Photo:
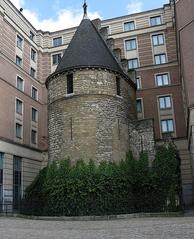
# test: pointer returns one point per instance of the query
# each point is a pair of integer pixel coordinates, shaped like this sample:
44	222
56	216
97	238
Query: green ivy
108	188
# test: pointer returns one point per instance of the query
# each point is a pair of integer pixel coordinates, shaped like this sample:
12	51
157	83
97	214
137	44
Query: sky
53	15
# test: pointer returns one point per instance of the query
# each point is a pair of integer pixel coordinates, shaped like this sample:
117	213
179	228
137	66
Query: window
138	82
34	115
129	26
33	54
18	61
162	80
130	45
158	40
34	93
154	21
118	84
19	42
167	125
108	29
165	102
1	178
69	83
56	59
20	83
139	105
31	35
57	41
133	63
32	72
19	106
160	59
18	131
17	181
34	137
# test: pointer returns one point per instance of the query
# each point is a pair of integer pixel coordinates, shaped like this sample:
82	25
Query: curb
101	218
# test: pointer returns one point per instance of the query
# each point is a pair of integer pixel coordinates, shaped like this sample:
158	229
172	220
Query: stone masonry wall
141	134
93	122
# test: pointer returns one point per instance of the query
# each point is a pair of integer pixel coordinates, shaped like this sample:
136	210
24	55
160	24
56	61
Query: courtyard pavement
138	228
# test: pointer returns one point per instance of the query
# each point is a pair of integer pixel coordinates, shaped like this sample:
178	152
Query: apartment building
28	56
23	104
185	37
148	41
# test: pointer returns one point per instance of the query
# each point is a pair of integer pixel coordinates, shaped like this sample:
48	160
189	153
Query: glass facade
17	177
1	179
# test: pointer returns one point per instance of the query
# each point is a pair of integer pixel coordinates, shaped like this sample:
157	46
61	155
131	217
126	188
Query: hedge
108	188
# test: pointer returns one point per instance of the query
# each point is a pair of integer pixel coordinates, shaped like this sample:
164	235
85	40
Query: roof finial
85	10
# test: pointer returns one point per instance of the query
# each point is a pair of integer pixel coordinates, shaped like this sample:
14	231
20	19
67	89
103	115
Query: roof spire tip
85	6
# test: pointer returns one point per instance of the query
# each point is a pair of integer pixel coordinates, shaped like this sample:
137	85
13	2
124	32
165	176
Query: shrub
108	188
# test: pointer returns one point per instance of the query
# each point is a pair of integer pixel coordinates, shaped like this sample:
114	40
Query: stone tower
91	101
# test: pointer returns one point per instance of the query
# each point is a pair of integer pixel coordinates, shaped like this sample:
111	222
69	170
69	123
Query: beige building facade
28	56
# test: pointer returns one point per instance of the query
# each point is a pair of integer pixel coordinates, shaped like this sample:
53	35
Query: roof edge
54	74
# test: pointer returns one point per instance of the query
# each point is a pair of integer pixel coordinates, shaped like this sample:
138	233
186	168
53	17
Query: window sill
119	96
69	95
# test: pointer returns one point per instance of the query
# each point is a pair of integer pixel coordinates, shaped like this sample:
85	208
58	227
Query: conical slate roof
88	49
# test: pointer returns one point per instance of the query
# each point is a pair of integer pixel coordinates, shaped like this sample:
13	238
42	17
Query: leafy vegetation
108	188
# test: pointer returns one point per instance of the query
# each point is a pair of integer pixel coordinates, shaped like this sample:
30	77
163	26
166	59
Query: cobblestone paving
142	228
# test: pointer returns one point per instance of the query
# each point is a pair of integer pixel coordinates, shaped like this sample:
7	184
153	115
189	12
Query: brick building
147	40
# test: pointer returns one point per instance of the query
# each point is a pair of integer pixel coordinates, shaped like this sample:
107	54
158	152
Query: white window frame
57	37
161	74
164	105
167	126
129	22
160	59
21	62
20	46
157	16
36	143
35	58
128	40
157	35
17	76
36	91
139	85
36	115
59	53
31	35
17	99
133	64
142	110
19	123
33	71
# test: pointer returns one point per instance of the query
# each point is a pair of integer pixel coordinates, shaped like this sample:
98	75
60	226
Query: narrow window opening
69	83
71	126
118	83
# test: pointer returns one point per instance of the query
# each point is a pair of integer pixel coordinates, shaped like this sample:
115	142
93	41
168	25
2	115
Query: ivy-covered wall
109	188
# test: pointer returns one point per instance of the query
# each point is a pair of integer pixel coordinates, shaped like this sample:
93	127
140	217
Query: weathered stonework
93	122
141	134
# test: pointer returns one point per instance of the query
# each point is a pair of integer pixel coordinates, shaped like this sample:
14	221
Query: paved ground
142	228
